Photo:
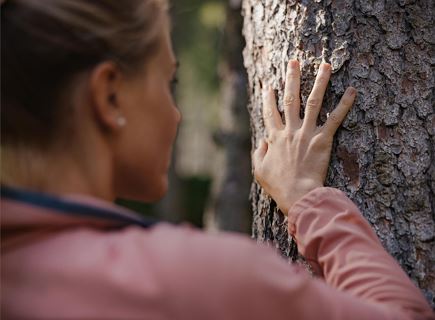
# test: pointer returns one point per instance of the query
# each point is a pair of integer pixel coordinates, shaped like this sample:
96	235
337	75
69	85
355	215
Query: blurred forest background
210	174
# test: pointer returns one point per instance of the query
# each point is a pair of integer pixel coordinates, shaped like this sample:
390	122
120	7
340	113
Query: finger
315	99
292	94
339	114
271	116
259	154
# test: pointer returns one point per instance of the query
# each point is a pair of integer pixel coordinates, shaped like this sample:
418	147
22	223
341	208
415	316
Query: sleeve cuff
311	199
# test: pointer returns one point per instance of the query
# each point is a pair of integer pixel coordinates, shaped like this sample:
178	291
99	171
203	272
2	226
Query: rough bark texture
229	208
383	156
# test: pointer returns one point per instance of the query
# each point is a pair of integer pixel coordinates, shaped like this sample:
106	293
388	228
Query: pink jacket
55	265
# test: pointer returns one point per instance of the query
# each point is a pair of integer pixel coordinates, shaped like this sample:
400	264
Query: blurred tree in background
229	207
200	161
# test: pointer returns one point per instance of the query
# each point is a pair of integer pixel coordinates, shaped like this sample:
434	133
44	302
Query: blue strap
63	206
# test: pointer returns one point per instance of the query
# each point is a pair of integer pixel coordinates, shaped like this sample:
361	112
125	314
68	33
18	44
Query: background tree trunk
229	207
383	156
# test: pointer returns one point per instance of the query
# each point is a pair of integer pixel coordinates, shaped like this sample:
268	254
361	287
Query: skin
143	151
294	158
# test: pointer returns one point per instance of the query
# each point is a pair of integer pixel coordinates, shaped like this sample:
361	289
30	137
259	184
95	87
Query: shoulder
181	272
182	256
220	274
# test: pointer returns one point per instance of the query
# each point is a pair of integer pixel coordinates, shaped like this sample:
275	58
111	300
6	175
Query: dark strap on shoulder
63	206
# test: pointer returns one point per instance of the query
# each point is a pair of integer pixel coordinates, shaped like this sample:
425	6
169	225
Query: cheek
150	154
147	143
163	118
142	173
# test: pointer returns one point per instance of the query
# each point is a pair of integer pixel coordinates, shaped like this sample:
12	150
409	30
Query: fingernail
351	91
293	63
325	66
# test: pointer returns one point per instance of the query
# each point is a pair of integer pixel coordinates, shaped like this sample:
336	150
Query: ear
105	85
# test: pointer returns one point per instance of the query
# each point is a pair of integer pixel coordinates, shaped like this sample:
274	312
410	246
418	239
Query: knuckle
267	114
320	142
288	101
313	103
272	135
288	104
334	119
289	140
303	138
289	134
326	138
322	79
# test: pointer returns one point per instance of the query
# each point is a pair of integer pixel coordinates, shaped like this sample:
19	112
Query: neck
59	171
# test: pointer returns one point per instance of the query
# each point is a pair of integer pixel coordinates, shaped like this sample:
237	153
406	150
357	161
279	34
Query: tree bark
383	155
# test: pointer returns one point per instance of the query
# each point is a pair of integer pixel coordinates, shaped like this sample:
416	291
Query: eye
173	84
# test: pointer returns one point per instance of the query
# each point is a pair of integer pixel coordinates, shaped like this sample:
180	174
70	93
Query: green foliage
197	35
195	194
146	209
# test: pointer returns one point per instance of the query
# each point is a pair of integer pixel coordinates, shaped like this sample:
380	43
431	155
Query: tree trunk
383	156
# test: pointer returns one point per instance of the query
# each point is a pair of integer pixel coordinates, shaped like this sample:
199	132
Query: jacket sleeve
339	243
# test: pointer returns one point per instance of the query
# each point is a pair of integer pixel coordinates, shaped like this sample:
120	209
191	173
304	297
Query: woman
87	116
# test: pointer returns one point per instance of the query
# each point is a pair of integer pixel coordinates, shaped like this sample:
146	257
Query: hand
294	158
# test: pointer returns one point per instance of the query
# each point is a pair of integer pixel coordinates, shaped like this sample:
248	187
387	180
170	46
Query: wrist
297	193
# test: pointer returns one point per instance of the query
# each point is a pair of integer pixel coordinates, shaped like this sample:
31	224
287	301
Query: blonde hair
45	43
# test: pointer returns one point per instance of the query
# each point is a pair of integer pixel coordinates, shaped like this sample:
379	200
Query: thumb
259	153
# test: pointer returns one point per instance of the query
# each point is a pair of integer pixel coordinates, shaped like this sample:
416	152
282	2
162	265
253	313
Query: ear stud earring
121	121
